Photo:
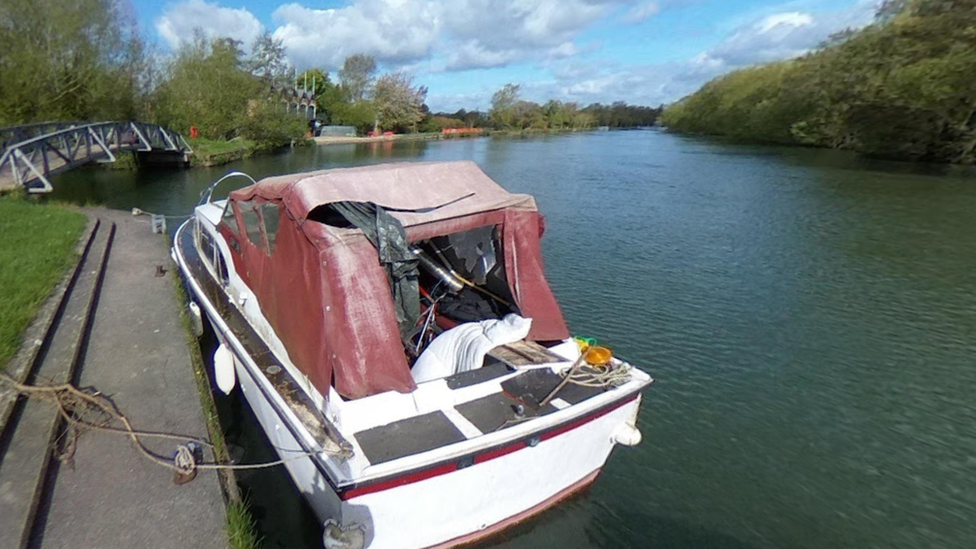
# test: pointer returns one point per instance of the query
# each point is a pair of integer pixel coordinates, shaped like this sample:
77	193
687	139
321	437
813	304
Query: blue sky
640	51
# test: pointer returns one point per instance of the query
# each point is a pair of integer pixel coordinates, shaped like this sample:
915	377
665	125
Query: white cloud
460	34
519	23
495	33
787	34
643	85
641	12
468	34
786	21
777	36
480	100
473	55
393	31
179	21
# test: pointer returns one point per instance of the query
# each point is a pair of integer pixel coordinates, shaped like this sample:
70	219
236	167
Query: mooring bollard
158	224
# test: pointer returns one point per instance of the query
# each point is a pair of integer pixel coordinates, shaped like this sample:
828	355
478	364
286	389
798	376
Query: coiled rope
90	410
611	375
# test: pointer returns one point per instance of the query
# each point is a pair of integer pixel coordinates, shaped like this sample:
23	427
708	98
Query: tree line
901	88
509	112
85	60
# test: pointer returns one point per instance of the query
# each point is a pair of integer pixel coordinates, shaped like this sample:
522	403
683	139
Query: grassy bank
242	532
37	244
214	152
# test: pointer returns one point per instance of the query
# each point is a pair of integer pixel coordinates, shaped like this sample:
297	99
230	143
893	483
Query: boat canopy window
204	243
252	223
270	212
210	252
228	218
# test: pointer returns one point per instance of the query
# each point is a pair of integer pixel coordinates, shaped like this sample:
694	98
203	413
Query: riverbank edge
436	136
203	155
732	140
202	158
240	525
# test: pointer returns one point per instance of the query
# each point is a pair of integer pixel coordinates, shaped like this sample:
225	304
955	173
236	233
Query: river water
810	318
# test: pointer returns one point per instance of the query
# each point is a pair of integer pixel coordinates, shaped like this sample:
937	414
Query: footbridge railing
33	153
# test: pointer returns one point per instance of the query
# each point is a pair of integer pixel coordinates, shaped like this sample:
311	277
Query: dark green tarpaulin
389	238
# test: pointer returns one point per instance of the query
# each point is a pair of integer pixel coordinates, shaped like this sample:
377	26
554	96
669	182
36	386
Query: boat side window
220	267
252	223
205	244
269	214
228	218
211	254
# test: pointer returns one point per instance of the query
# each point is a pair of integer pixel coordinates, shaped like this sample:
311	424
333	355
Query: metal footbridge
33	153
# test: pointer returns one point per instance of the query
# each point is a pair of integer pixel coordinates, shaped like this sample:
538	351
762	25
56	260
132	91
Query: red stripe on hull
521	517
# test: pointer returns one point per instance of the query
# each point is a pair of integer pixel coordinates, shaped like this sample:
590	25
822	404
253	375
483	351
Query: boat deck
517	402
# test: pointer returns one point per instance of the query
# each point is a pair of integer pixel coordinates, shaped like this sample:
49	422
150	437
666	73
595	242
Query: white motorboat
393	330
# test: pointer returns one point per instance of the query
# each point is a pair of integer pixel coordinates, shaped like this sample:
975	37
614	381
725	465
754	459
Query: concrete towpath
136	354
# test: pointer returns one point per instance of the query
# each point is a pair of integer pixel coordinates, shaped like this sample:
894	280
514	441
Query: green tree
528	115
437	123
268	61
316	79
360	114
357	75
78	60
207	87
503	101
268	126
398	103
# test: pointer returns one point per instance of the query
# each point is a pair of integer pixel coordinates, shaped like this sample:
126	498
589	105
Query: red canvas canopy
324	291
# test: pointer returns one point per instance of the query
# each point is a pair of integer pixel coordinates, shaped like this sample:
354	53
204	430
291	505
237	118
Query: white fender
627	432
196	319
224	373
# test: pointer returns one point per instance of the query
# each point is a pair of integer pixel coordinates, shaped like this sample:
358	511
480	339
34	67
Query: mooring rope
90	410
139	211
611	375
84	410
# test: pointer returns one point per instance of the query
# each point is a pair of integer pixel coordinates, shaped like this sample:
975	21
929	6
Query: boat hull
460	506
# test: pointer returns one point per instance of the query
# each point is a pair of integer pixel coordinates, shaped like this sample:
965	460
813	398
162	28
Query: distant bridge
33	153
